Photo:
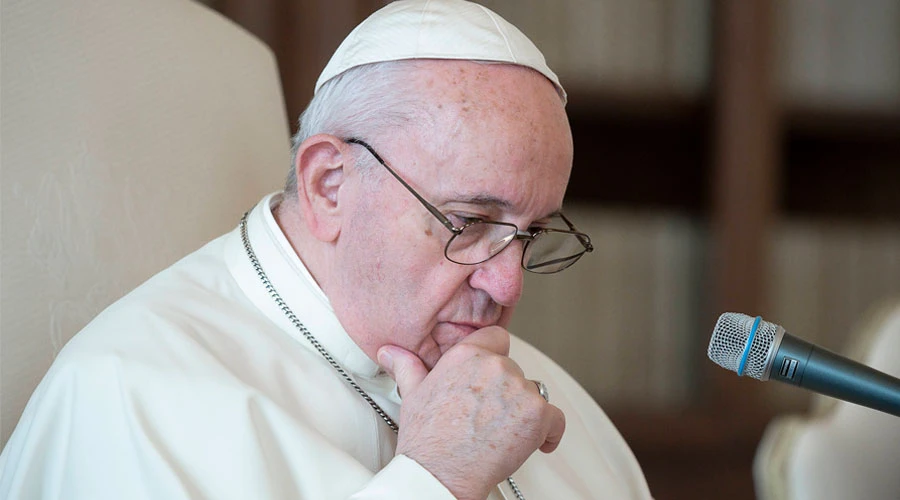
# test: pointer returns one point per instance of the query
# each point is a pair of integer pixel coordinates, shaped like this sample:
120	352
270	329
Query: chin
431	358
442	339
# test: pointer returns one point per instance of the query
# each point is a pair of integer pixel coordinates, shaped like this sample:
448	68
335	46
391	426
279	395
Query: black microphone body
762	350
803	364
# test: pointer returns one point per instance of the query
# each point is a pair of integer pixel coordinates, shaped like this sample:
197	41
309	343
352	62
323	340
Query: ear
320	177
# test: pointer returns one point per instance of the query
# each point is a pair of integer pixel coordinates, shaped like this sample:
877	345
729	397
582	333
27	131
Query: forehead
497	134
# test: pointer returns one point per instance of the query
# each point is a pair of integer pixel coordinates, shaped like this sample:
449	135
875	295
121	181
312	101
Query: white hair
364	102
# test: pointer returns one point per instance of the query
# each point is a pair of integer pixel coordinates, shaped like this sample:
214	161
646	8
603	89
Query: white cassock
196	385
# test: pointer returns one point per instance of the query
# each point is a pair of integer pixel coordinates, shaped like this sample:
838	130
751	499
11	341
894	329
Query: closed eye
460	220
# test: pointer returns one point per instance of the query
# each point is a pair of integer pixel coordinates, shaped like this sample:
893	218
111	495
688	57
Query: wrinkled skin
498	147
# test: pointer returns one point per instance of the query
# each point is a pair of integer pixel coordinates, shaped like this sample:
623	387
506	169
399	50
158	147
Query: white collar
296	286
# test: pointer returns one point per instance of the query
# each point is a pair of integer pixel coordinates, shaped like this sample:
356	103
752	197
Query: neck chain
321	349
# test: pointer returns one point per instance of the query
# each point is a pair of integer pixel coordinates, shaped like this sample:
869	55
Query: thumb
405	367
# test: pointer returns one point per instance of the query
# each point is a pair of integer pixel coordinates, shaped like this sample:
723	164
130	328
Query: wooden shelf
634	106
627	155
842	165
654	154
844	125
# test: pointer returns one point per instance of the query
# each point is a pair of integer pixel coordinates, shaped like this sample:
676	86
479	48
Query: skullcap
436	29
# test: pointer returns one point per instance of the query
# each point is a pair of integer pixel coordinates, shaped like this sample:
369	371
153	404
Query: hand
474	419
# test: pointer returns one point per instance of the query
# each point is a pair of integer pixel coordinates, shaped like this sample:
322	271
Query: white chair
133	132
839	451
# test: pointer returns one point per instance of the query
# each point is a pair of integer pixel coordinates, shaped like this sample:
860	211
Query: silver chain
321	349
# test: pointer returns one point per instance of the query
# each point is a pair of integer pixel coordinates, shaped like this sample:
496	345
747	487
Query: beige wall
133	132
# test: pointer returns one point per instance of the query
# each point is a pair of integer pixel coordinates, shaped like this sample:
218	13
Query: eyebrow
496	202
482	199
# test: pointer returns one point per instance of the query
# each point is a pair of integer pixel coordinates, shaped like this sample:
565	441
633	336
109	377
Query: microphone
764	351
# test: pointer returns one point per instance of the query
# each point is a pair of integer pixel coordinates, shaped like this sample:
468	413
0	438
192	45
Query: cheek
391	270
395	282
506	316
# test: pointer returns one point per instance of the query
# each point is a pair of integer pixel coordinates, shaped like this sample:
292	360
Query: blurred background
729	156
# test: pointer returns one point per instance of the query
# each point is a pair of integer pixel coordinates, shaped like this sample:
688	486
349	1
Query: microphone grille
729	342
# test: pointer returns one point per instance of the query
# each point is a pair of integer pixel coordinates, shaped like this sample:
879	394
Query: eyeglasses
546	250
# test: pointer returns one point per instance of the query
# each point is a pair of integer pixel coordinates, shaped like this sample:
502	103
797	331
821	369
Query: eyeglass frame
528	236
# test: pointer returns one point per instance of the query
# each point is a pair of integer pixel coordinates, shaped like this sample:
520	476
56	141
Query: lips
471	326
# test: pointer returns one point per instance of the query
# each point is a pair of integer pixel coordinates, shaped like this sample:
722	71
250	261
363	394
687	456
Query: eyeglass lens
552	251
549	252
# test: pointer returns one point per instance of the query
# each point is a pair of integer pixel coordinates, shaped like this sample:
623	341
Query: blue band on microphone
746	354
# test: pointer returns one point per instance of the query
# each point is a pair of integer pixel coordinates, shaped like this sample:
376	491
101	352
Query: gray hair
367	102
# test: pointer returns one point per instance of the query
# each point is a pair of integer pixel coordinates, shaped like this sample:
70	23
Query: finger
406	368
556	428
492	338
540	389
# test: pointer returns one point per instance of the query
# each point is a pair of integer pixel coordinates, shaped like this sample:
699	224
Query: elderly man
429	170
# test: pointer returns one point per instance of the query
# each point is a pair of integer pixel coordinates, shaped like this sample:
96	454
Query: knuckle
500	335
463	351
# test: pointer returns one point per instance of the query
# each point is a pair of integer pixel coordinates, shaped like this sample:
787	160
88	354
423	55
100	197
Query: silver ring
542	390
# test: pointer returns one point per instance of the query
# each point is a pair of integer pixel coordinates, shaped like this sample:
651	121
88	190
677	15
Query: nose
502	276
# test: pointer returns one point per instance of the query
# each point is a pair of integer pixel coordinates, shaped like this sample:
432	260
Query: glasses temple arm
434	211
582	237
